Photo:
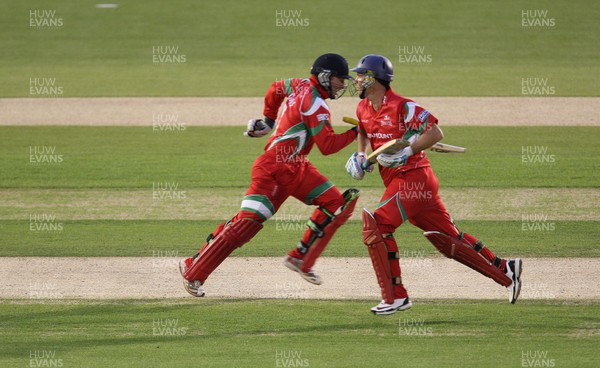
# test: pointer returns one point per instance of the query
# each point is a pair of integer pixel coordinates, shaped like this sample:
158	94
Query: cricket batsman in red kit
411	189
283	170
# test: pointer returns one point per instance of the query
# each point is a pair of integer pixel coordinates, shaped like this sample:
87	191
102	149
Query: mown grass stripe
142	238
137	157
514	204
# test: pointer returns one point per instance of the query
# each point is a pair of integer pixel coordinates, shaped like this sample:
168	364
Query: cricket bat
392	146
395	145
447	148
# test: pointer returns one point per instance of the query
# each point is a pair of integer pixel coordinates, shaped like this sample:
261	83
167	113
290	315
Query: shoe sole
294	268
185	282
290	265
190	291
517	290
392	311
309	279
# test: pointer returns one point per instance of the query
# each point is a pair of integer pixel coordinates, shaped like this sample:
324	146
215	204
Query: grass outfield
220	157
96	163
266	333
228	48
183	238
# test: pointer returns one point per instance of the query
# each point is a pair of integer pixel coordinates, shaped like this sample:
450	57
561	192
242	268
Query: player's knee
344	212
384	226
333	206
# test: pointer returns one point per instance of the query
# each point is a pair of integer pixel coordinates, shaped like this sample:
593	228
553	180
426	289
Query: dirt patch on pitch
176	112
54	278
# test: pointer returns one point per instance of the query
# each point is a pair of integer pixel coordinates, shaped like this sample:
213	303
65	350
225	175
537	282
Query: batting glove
257	128
355	163
395	159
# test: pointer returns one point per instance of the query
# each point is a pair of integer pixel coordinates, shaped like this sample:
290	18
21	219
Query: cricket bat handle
349	120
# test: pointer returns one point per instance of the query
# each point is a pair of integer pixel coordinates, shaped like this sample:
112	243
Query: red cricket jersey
304	121
398	117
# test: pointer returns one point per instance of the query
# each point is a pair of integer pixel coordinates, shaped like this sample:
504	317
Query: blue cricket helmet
378	66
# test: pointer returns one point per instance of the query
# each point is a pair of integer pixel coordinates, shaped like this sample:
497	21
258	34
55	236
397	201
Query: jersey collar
386	98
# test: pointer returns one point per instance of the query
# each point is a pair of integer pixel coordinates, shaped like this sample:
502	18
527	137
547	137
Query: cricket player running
283	170
411	189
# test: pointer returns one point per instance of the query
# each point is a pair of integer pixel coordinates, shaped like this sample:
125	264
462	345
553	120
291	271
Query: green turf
528	204
256	333
182	238
137	157
237	49
104	160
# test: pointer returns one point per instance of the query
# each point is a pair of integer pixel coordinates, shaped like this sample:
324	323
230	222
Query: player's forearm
330	143
273	100
363	142
428	139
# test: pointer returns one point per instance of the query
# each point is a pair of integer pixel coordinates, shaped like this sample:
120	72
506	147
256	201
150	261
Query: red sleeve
317	119
275	96
416	118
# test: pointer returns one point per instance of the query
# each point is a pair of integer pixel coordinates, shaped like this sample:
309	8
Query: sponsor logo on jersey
291	100
387	121
323	117
423	115
379	135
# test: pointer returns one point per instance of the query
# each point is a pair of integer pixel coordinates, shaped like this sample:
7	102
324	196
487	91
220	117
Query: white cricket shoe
514	267
294	265
194	288
384	308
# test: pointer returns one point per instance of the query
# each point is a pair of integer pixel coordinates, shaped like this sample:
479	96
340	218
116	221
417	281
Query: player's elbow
437	133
